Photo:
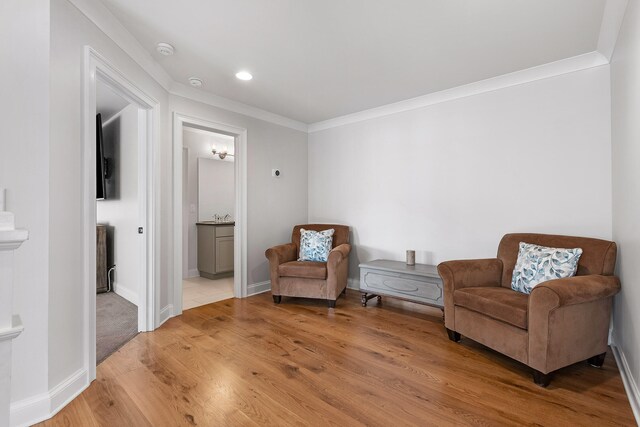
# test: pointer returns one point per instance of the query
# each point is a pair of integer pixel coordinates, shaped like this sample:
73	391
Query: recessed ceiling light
244	75
165	49
195	82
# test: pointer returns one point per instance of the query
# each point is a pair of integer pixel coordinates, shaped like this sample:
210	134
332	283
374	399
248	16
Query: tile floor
197	291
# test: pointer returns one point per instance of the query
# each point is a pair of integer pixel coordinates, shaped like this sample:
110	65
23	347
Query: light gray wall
70	32
275	205
450	179
24	171
120	209
625	131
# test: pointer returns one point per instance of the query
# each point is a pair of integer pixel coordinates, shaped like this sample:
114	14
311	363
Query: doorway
143	117
209	216
235	240
118	258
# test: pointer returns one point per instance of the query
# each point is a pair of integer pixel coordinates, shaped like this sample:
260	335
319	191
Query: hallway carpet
116	323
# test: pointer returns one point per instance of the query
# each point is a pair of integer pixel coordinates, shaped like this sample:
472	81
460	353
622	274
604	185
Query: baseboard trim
126	293
194	272
30	411
629	382
165	314
41	407
68	390
258	288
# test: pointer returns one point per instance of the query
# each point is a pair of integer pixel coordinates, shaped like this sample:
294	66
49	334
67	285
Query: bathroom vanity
215	249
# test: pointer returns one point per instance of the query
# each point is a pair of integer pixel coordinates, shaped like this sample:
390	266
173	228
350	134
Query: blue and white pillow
537	264
315	245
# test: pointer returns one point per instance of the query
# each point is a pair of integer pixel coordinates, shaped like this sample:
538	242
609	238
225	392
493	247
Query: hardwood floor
250	362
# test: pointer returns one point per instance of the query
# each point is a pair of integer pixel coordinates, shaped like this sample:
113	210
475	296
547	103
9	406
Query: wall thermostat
275	172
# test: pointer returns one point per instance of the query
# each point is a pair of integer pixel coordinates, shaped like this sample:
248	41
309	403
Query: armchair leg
277	299
541	379
597	361
331	303
453	335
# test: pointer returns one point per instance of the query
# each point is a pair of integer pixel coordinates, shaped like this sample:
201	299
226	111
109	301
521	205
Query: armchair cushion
537	264
496	302
303	269
315	245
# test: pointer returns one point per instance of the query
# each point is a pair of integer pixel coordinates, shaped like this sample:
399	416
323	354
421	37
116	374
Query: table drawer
412	287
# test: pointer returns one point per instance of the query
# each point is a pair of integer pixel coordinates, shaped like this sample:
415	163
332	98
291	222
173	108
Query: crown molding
611	22
552	69
102	17
209	98
612	17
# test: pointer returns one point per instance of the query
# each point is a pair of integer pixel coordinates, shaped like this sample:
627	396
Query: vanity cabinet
215	249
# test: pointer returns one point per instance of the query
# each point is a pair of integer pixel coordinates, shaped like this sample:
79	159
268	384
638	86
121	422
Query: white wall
70	32
24	171
44	84
275	205
198	144
450	179
120	209
625	130
216	189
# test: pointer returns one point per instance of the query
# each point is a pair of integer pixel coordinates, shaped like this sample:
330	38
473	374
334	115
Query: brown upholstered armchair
323	280
561	322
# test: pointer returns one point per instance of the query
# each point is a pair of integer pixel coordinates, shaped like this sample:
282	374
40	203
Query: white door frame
240	234
97	68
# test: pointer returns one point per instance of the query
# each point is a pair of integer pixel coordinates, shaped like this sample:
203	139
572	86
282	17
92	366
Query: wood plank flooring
251	362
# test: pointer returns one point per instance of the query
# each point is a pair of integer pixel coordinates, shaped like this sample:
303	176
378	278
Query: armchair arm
573	290
569	320
338	255
337	270
465	273
471	272
279	255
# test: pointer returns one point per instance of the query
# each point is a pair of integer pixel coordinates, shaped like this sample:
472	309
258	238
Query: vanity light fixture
244	75
220	153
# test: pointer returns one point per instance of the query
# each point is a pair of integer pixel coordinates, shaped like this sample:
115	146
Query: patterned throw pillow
537	264
315	245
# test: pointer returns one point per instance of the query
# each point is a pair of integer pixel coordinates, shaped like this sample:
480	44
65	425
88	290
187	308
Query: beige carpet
116	323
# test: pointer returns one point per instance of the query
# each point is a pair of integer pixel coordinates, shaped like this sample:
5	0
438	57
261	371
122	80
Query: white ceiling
316	60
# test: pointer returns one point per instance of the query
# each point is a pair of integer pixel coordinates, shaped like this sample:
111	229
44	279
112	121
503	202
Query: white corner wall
120	210
274	205
24	171
67	368
448	180
625	131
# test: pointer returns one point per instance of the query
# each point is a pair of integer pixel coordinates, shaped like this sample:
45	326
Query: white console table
10	324
417	283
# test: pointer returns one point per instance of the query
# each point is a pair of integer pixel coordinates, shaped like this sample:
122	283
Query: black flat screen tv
101	186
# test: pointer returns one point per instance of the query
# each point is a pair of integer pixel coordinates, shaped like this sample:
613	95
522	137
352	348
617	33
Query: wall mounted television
101	166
